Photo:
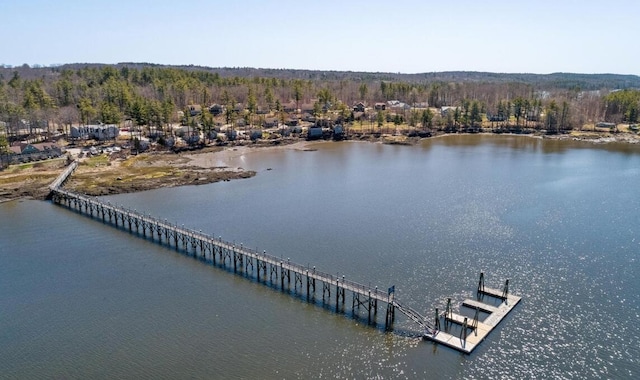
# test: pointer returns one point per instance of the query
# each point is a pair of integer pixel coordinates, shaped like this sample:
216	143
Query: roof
19	148
307	107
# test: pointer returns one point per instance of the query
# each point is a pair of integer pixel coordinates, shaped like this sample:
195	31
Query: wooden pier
472	331
280	273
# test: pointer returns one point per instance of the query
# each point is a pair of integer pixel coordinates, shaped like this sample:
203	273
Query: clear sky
408	36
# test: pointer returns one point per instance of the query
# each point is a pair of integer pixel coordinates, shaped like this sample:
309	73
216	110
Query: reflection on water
557	218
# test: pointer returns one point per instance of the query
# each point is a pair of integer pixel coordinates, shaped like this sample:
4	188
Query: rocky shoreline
167	169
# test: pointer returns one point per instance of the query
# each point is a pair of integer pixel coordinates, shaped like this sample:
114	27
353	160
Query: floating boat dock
472	331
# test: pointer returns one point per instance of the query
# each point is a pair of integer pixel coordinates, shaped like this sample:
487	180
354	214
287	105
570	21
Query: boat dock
281	273
472	331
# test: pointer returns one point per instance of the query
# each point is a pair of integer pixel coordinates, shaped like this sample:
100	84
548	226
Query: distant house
270	122
194	109
216	109
22	152
97	132
380	106
289	107
444	111
308	118
292	122
307	108
23	148
359	107
533	115
314	133
324	123
497	117
399	106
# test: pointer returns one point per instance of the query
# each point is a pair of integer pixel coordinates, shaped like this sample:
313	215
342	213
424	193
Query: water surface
559	219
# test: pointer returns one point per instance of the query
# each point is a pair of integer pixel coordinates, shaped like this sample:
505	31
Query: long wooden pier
242	259
266	268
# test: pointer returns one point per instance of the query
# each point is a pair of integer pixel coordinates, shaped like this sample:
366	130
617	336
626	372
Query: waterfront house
216	109
23	152
309	118
96	132
289	107
194	109
444	111
270	122
238	108
307	108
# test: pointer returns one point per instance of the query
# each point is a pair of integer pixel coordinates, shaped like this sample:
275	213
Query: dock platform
472	330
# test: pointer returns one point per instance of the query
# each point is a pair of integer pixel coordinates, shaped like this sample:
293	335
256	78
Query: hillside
538	81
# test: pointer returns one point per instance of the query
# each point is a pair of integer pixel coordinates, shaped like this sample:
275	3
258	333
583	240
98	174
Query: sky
406	36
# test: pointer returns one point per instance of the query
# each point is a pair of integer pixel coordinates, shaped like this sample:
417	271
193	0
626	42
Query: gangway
416	317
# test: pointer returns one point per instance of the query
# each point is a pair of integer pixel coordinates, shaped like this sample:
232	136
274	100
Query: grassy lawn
96	161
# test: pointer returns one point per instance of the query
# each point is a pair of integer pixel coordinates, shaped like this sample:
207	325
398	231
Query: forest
55	98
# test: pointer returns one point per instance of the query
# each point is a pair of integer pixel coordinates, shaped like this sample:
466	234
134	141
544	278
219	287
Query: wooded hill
539	81
151	94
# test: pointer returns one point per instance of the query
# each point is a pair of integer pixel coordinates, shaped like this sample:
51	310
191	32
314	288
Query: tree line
56	98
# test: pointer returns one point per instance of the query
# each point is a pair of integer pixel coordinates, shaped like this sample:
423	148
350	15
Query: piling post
448	312
463	333
353	304
505	291
474	323
175	237
337	292
390	317
281	277
375	304
388	323
369	306
233	249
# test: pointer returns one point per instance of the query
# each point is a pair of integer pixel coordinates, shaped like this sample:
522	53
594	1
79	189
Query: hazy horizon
406	36
52	65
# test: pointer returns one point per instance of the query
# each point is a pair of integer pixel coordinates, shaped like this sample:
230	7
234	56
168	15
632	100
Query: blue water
559	219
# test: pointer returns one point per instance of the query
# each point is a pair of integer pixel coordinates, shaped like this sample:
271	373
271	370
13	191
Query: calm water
79	299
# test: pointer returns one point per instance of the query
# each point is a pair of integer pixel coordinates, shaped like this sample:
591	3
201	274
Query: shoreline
156	170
